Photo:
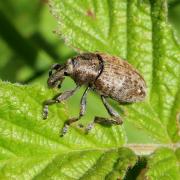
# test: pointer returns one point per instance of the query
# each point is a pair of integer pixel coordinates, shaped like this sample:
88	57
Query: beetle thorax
84	71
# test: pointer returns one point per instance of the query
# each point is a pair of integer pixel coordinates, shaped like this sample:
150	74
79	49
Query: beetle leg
81	113
105	121
57	99
114	114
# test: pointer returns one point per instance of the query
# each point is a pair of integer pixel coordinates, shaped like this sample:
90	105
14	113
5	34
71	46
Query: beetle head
57	73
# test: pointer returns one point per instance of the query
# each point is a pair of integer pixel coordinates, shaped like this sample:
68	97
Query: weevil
109	76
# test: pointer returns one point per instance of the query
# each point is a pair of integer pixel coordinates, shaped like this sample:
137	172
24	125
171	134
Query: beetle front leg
116	119
81	113
57	99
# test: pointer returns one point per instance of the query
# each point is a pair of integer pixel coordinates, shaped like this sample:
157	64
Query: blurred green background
28	47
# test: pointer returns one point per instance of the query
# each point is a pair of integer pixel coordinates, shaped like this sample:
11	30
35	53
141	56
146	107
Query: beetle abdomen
120	81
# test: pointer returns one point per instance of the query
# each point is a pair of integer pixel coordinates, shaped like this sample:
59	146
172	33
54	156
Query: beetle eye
66	74
54	68
51	71
74	62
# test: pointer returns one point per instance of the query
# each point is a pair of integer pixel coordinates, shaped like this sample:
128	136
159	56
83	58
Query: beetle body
108	75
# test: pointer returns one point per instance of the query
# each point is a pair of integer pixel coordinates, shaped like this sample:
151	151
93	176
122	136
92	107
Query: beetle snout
55	82
51	83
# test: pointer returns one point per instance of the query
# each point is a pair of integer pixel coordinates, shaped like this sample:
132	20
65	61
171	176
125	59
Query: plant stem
146	149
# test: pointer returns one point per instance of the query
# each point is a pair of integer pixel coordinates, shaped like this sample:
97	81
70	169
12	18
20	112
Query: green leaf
93	25
140	32
125	161
31	147
164	164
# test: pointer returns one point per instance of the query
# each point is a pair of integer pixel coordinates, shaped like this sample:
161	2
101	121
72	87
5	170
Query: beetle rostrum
109	76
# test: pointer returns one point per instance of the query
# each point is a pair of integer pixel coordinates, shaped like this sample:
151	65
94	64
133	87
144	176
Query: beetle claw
89	127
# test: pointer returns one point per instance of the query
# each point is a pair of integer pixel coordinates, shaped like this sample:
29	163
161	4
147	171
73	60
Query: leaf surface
31	148
164	164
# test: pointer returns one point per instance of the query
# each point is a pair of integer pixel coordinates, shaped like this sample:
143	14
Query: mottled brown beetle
108	75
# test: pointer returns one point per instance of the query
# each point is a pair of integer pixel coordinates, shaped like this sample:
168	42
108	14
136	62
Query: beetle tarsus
45	107
103	121
118	120
89	127
45	112
108	122
64	130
